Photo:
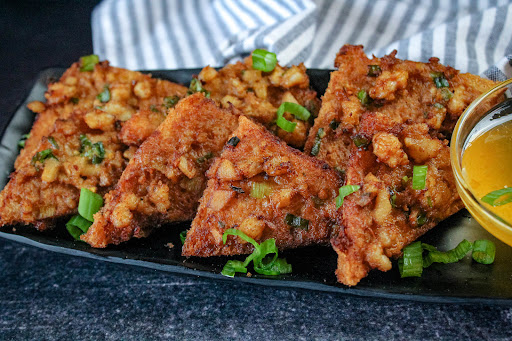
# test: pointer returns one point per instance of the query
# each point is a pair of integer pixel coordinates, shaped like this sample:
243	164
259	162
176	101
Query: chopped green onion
89	203
262	264
296	110
93	151
259	190
21	142
334	124
197	86
232	267
237	189
233	141
74	100
170	101
263	60
318	140
421	219
42	156
450	256
438	106
104	96
411	263
53	142
447	94
360	141
493	197
344	191
88	62
484	251
183	236
205	157
374	71
439	79
153	108
419	177
78	222
363	97
296	221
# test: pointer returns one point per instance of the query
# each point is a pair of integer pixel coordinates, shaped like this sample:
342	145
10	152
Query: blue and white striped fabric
470	35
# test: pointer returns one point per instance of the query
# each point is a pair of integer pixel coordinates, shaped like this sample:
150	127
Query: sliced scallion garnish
259	190
261	257
263	60
170	101
87	62
93	151
439	79
419	177
296	110
197	86
21	142
451	256
318	140
183	236
344	191
364	98
233	141
52	141
483	251
204	158
296	221
374	70
42	156
411	263
77	226
89	203
493	198
104	96
360	141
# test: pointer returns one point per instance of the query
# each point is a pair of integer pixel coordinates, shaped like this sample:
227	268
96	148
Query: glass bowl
480	116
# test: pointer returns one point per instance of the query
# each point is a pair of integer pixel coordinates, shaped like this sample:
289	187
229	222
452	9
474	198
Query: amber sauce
487	165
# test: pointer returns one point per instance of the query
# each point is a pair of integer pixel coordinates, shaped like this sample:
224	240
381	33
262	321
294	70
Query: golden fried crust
259	94
40	191
298	185
76	90
165	179
401	90
386	214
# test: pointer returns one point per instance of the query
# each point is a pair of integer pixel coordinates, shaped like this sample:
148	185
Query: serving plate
313	267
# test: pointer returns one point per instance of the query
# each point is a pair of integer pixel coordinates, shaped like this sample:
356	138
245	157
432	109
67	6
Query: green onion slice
52	141
439	79
170	101
205	157
89	204
451	256
74	100
259	190
263	60
104	96
411	264
93	151
183	236
263	263
77	226
344	191
360	141
21	142
484	251
318	140
374	70
296	110
296	221
419	177
364	97
493	197
196	86
42	156
88	62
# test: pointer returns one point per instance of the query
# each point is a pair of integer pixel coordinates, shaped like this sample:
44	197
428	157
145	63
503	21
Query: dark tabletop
45	295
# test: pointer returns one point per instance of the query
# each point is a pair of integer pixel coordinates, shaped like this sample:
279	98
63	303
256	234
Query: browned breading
165	179
297	184
259	94
402	90
47	188
386	214
76	90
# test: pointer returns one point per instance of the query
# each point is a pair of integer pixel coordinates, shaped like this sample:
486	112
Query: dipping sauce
487	166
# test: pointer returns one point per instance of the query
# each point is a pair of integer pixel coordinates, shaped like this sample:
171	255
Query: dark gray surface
47	295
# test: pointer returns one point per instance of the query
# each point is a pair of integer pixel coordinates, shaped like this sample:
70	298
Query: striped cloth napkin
470	35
